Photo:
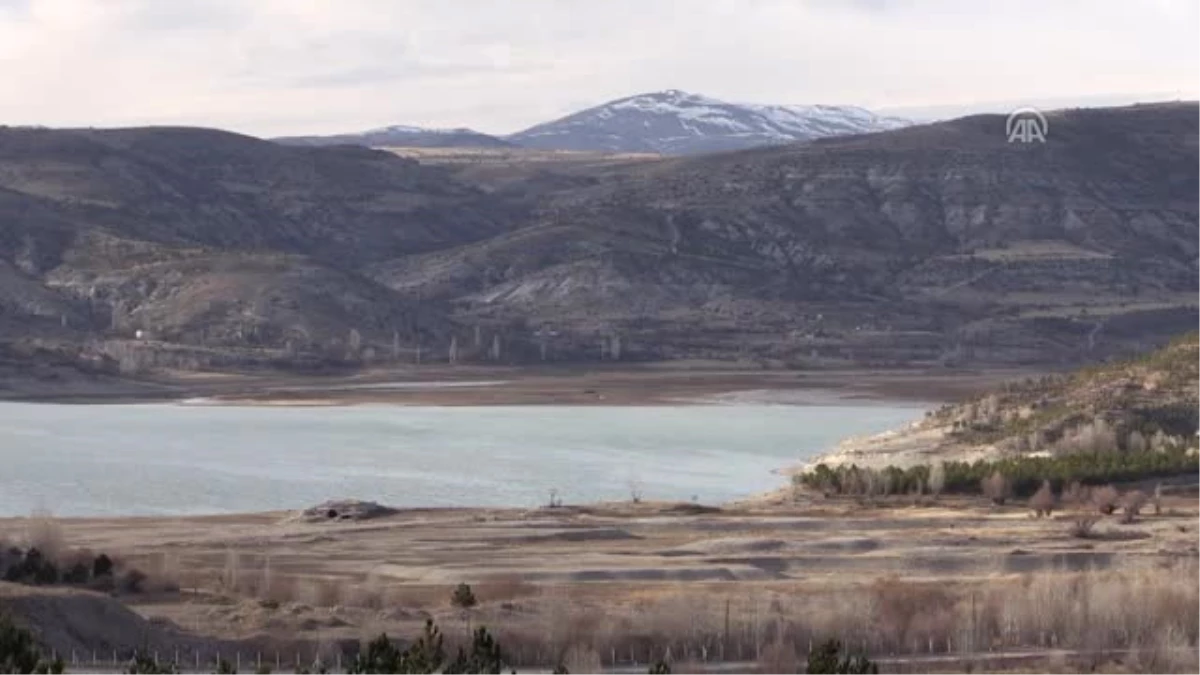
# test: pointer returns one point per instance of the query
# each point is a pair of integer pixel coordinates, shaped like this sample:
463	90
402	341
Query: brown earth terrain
54	379
613	386
611	585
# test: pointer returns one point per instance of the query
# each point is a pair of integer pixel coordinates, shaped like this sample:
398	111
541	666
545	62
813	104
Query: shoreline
611	388
479	386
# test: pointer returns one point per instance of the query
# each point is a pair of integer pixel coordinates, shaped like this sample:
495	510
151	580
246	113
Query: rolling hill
934	244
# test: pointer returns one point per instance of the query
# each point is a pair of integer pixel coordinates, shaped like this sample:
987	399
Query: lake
163	459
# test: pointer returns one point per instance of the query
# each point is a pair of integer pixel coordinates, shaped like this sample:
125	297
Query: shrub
660	668
1082	524
427	655
1024	473
20	654
826	657
143	662
1105	499
76	574
381	656
463	597
34	568
1042	501
132	581
102	566
485	656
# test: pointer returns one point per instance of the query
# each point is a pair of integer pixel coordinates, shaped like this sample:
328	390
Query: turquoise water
77	460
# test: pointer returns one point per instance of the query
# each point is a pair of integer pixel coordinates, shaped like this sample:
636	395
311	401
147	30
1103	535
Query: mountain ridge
668	122
403	136
675	122
938	244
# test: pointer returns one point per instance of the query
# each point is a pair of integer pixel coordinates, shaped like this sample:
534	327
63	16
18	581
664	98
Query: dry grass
904	601
44	533
318	591
505	588
582	659
779	657
1150	609
1132	505
1083	525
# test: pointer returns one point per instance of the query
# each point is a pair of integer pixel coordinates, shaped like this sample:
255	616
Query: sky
278	67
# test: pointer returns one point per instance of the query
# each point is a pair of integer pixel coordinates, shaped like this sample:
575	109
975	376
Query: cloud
273	67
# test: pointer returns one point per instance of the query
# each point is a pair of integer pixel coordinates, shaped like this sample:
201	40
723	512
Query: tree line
1024	474
21	655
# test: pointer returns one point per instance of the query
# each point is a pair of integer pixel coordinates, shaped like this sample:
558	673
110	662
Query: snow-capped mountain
400	135
676	122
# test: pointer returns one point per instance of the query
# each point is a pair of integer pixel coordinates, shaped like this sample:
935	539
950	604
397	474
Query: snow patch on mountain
408	129
678	122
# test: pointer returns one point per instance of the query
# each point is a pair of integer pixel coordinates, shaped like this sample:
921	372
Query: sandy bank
649	386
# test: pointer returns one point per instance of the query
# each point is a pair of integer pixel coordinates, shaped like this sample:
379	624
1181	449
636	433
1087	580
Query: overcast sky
271	67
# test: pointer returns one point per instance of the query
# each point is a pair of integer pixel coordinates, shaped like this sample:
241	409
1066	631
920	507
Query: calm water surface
177	459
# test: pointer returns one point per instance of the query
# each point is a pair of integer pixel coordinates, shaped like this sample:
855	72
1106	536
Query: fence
201	661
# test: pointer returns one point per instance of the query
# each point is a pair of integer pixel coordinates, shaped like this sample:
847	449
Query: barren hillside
937	244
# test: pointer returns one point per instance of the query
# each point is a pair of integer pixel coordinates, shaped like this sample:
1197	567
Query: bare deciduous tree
1132	505
996	488
1076	494
1042	501
937	478
1105	499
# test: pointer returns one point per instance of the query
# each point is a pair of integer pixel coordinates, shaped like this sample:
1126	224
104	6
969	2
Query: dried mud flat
611	576
663	384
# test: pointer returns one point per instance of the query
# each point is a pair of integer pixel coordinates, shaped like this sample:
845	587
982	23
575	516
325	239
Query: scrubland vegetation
1136	614
1024	475
1117	423
43	559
